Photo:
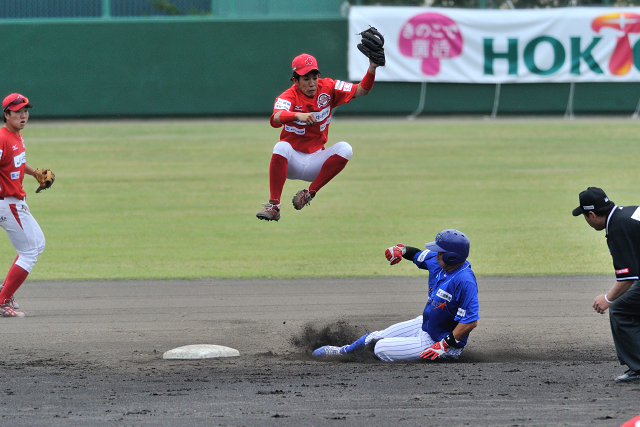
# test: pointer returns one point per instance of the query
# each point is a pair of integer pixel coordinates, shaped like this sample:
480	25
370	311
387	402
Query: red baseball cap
304	63
15	101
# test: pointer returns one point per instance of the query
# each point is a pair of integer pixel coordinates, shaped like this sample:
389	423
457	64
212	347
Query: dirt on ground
90	353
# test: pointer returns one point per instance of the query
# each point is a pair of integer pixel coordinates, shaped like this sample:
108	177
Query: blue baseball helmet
453	243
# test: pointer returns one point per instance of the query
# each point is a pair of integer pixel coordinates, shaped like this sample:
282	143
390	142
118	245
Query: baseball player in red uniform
23	230
304	111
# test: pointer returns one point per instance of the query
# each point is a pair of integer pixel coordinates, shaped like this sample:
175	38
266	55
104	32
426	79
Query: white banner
500	46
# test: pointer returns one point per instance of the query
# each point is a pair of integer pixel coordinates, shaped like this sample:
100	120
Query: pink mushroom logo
431	37
627	23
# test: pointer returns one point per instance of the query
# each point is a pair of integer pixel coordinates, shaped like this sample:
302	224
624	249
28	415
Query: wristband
451	341
287	117
607	299
367	82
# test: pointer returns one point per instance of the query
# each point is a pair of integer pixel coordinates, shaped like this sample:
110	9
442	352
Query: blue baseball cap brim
433	247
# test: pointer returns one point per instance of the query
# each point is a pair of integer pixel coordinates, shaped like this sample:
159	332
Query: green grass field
152	199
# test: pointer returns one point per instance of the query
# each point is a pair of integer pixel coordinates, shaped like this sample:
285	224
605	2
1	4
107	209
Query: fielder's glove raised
372	46
394	253
44	177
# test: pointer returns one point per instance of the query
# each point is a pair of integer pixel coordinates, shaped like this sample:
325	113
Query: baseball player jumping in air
451	313
23	230
304	110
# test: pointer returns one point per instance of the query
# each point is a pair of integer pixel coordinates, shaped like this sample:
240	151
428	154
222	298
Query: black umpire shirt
623	239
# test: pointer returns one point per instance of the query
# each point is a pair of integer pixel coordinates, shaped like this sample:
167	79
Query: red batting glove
394	253
436	350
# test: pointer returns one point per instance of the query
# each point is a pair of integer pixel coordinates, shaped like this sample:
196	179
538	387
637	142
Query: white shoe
12	301
329	352
7	311
628	376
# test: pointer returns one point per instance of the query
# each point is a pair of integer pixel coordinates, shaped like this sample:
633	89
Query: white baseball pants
306	166
405	341
23	231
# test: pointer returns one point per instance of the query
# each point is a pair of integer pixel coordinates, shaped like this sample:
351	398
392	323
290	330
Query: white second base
200	351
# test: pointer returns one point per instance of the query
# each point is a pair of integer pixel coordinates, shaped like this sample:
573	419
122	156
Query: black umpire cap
591	199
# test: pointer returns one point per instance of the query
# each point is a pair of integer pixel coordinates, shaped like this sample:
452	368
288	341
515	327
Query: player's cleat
329	352
12	301
270	211
7	311
628	376
302	199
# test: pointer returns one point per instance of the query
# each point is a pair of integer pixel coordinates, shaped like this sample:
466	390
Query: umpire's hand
600	304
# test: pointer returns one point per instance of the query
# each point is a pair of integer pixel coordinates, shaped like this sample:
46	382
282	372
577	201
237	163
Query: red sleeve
3	151
283	103
343	91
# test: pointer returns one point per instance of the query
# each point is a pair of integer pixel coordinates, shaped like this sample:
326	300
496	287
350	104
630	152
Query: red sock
14	261
15	278
332	167
277	176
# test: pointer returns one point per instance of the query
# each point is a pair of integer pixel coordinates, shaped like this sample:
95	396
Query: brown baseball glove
44	177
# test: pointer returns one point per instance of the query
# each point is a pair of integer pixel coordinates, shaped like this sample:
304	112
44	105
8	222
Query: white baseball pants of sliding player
23	231
306	166
405	341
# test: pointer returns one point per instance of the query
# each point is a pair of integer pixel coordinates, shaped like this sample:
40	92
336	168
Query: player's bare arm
600	303
463	329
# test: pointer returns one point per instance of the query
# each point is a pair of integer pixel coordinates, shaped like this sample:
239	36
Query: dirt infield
90	353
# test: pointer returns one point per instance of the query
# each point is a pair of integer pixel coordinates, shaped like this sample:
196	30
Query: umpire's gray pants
624	315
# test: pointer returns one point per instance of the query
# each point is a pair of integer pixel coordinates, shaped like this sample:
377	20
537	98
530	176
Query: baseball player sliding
304	111
15	218
451	313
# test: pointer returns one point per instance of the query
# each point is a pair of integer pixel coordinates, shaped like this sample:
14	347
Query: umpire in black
622	225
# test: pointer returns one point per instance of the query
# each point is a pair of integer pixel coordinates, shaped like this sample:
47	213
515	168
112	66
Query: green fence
107	9
206	67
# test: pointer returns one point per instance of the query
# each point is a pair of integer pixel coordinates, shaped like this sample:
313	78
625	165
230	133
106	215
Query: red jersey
330	94
12	164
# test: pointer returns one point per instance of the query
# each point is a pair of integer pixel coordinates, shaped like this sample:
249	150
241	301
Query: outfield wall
209	67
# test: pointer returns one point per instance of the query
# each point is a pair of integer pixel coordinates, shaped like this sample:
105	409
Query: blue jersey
453	297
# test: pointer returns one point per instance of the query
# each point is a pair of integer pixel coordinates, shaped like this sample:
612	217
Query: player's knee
343	149
27	260
381	353
283	149
372	337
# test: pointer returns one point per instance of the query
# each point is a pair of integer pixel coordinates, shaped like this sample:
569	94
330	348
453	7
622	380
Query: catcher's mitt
372	46
44	177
